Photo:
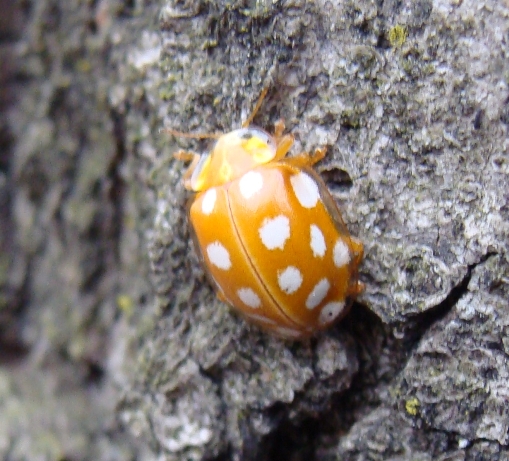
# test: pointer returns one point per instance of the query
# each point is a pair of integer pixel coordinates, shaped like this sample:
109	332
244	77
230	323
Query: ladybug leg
356	289
307	160
186	156
318	155
283	142
279	128
283	146
357	249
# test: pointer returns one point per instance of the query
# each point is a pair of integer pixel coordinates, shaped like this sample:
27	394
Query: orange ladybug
269	233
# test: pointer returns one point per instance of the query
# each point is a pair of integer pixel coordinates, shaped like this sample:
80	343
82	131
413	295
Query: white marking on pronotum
249	297
209	201
289	280
317	241
219	256
275	232
250	184
305	189
288	332
330	311
318	294
341	254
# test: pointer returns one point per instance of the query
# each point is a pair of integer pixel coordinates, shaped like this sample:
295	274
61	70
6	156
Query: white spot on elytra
305	189
209	201
341	254
288	332
275	232
219	256
318	294
250	184
317	241
330	311
289	280
249	297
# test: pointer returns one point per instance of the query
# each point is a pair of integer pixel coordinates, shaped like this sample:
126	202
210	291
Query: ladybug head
234	154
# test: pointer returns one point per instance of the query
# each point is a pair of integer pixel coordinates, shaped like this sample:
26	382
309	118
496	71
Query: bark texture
112	343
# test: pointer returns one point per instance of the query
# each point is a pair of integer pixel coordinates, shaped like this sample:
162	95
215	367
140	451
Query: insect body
269	233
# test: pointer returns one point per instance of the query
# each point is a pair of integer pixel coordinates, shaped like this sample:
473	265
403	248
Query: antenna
256	107
181	134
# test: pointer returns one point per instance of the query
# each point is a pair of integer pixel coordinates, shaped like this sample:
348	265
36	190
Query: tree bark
112	342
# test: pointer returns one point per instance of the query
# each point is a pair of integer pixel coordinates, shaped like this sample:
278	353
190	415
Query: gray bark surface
113	345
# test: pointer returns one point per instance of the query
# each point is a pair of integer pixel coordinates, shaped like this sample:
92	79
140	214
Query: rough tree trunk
112	344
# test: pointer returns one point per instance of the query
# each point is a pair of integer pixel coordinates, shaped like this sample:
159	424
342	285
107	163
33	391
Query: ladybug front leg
283	142
318	155
307	160
186	156
279	128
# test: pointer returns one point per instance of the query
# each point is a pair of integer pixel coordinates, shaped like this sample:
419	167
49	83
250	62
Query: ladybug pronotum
269	233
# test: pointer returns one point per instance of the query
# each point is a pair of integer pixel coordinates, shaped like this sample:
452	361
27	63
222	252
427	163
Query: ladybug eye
259	144
256	136
246	135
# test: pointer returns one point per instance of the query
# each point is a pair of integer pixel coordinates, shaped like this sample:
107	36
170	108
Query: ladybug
268	232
